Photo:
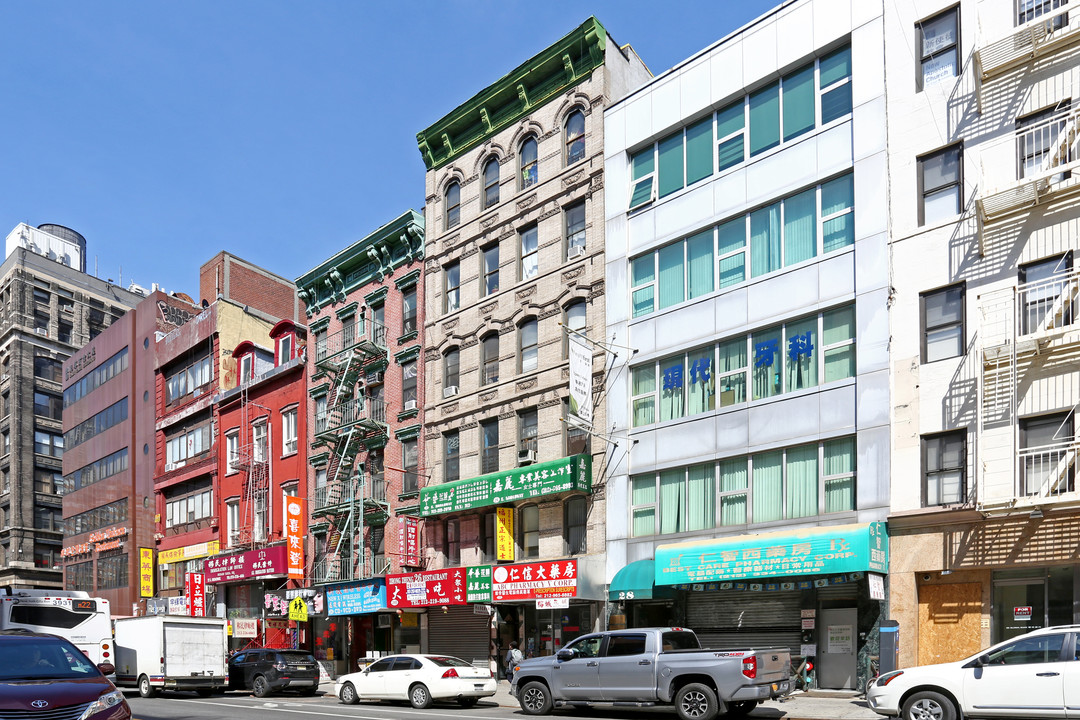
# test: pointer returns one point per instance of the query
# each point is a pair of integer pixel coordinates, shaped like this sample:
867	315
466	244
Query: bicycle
873	675
804	677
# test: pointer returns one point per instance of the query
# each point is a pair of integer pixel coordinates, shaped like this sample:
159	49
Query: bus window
47	616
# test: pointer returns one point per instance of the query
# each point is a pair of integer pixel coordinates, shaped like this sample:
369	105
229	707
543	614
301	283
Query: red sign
1023	612
409	541
424	589
532	581
250	564
294	536
195	592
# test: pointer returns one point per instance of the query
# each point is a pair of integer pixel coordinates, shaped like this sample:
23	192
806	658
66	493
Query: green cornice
320	324
409	353
408	433
408	280
319	391
375	257
319	460
348	311
376	298
516	94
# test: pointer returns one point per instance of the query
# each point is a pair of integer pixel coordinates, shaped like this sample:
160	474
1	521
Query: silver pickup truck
661	666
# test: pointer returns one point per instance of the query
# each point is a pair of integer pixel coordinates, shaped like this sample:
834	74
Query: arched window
451	368
528	339
491	182
453	543
489	359
529	538
575	137
453	205
574	320
576	512
529	171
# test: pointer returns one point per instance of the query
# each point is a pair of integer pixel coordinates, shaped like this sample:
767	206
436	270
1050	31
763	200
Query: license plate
479	687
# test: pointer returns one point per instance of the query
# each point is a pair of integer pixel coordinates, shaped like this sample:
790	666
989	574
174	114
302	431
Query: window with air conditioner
574	217
528	426
408	385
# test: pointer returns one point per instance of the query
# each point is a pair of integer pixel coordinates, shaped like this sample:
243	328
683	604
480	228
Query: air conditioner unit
169	467
575	251
42	331
375	377
526	457
449	391
410	405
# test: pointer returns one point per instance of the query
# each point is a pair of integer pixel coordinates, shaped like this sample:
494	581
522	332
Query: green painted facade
370	260
515	95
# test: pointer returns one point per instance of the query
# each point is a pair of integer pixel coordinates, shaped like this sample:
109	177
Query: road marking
268	706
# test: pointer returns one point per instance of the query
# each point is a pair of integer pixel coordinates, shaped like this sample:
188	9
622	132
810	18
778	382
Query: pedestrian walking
513	657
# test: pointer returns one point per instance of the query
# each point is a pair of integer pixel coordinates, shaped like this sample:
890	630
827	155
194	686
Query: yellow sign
298	610
146	572
189	552
504	532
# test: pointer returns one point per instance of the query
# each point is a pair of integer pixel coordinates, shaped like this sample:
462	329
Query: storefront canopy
635	582
812	551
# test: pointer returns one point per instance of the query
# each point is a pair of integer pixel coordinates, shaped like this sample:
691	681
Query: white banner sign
552	603
581	401
245	628
877	586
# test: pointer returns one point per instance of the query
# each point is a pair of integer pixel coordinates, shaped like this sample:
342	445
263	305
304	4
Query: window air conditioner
449	391
42	331
375	377
526	457
575	251
410	405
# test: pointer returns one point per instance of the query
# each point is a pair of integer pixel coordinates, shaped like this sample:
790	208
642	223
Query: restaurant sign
251	564
523	483
813	551
424	589
532	581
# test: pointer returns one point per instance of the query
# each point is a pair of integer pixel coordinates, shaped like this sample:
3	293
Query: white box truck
172	652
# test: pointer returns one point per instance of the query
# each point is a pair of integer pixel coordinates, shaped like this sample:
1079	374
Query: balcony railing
1022	319
1044	34
371	340
334	568
366	411
1048	471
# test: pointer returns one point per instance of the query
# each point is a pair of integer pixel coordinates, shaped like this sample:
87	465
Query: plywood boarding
949	622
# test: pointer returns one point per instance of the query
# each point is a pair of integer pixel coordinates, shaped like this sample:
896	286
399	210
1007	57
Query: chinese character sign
581	400
478	588
195	592
409	541
294	536
504	532
146	572
356	598
424	589
250	564
504	488
550	579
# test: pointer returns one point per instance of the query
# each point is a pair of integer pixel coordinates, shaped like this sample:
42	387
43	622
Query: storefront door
548	630
1026	600
837	648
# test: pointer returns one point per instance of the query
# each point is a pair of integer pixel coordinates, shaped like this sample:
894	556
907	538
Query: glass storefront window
546	631
1026	600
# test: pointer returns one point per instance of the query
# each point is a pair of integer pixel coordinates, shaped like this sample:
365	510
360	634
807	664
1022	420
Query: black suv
266	670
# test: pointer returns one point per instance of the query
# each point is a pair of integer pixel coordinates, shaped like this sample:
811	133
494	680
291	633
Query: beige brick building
515	254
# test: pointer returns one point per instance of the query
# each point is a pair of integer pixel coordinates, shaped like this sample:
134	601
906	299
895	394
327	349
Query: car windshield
298	658
34	658
447	661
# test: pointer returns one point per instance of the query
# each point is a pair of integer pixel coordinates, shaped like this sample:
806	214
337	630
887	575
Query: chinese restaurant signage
503	488
532	581
504	532
356	598
821	550
478	587
409	541
250	564
195	593
424	589
294	536
146	572
188	552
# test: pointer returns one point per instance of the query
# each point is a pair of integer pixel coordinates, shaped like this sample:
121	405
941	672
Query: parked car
267	670
420	679
1034	675
41	675
661	666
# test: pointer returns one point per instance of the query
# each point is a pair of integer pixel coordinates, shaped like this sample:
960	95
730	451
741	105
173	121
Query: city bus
74	615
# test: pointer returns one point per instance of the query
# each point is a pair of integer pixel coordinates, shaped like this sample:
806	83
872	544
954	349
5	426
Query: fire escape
354	422
253	459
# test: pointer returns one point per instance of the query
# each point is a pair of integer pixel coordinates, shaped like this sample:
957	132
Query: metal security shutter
738	619
459	632
843	591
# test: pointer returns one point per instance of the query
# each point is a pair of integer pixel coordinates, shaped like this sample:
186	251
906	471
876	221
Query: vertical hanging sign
195	592
409	541
294	536
504	532
146	572
581	401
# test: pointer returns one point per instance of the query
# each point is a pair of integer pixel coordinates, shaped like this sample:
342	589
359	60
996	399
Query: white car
1033	675
420	679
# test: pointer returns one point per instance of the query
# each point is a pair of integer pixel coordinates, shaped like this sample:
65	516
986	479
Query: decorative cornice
376	297
410	432
348	311
319	391
320	324
408	280
409	353
498	106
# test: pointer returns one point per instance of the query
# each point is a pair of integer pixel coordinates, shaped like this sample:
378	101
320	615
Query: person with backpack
513	657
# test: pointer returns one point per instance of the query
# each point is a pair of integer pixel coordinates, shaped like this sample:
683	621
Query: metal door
837	648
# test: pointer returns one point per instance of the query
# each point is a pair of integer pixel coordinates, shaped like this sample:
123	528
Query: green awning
635	582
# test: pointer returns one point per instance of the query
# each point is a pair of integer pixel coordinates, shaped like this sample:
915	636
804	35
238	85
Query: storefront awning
811	551
635	582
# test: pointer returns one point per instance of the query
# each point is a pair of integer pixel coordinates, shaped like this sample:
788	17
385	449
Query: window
529	253
1036	136
408	384
938	48
452	272
96	377
944	468
453	205
940	181
529	535
527	433
260	511
188	503
575	137
1045	295
453	542
48	518
1028	10
322	417
41	296
408	312
192	378
943	323
66	305
577	439
322	350
575	321
1046	451
47	405
47	556
643	174
80	576
527	335
41	323
377	470
288	432
491	270
48	481
1030	650
45	443
284	348
186	444
489	359
258	441
97	518
410	458
834	83
529	170
451	456
112	571
48	368
98	470
63	332
488	548
622	645
451	369
489	446
99	423
491	182
574	522
232	451
574	217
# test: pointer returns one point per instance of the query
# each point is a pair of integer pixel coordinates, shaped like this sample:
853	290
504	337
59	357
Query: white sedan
420	679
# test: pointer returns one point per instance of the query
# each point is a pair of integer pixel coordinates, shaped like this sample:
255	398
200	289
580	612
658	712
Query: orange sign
504	532
294	536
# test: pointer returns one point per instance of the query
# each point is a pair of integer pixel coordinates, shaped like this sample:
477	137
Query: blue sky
279	131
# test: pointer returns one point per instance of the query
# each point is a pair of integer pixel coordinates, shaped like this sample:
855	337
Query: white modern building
748	274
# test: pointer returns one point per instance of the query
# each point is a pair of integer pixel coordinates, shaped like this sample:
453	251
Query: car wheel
696	701
738	709
259	687
419	696
467	702
146	690
929	705
535	699
348	694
